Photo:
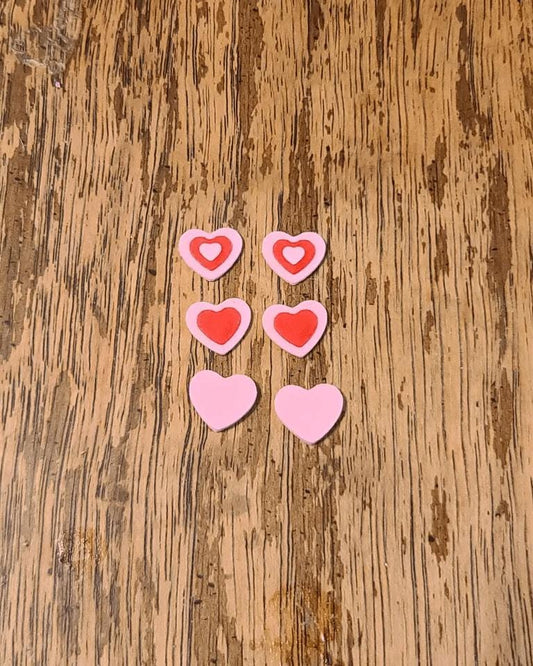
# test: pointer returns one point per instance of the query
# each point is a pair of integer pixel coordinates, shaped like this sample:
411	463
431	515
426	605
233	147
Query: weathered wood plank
401	131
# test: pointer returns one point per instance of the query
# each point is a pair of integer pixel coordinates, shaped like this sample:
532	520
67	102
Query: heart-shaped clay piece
294	258
309	414
210	251
210	254
296	330
292	255
219	327
221	401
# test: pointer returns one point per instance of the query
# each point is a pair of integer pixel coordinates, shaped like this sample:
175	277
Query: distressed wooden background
402	130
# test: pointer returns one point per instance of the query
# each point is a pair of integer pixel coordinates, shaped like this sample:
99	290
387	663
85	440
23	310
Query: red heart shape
296	328
306	245
219	326
211	264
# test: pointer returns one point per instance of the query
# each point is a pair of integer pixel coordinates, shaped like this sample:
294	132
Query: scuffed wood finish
403	132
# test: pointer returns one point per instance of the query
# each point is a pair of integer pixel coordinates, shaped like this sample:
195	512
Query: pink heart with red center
297	330
219	327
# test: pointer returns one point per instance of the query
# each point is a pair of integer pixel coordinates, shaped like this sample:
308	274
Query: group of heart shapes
310	414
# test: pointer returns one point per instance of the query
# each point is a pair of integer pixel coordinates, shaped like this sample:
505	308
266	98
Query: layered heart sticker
310	414
294	258
219	327
296	330
222	401
210	254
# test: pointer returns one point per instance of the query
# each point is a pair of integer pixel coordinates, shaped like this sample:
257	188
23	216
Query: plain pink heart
221	401
294	258
309	413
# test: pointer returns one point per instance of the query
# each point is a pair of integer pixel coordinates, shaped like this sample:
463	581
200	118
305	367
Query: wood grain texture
402	130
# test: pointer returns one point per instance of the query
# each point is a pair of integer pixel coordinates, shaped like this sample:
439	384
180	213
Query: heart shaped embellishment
309	414
210	254
296	330
294	258
211	250
219	327
221	401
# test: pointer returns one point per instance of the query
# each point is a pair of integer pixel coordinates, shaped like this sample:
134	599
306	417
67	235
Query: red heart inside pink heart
298	329
219	327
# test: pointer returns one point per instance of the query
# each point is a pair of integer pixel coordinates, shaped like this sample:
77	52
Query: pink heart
294	258
221	401
210	252
234	305
275	331
293	254
209	258
309	414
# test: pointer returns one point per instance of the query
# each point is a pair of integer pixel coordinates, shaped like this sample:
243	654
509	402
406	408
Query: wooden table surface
402	131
